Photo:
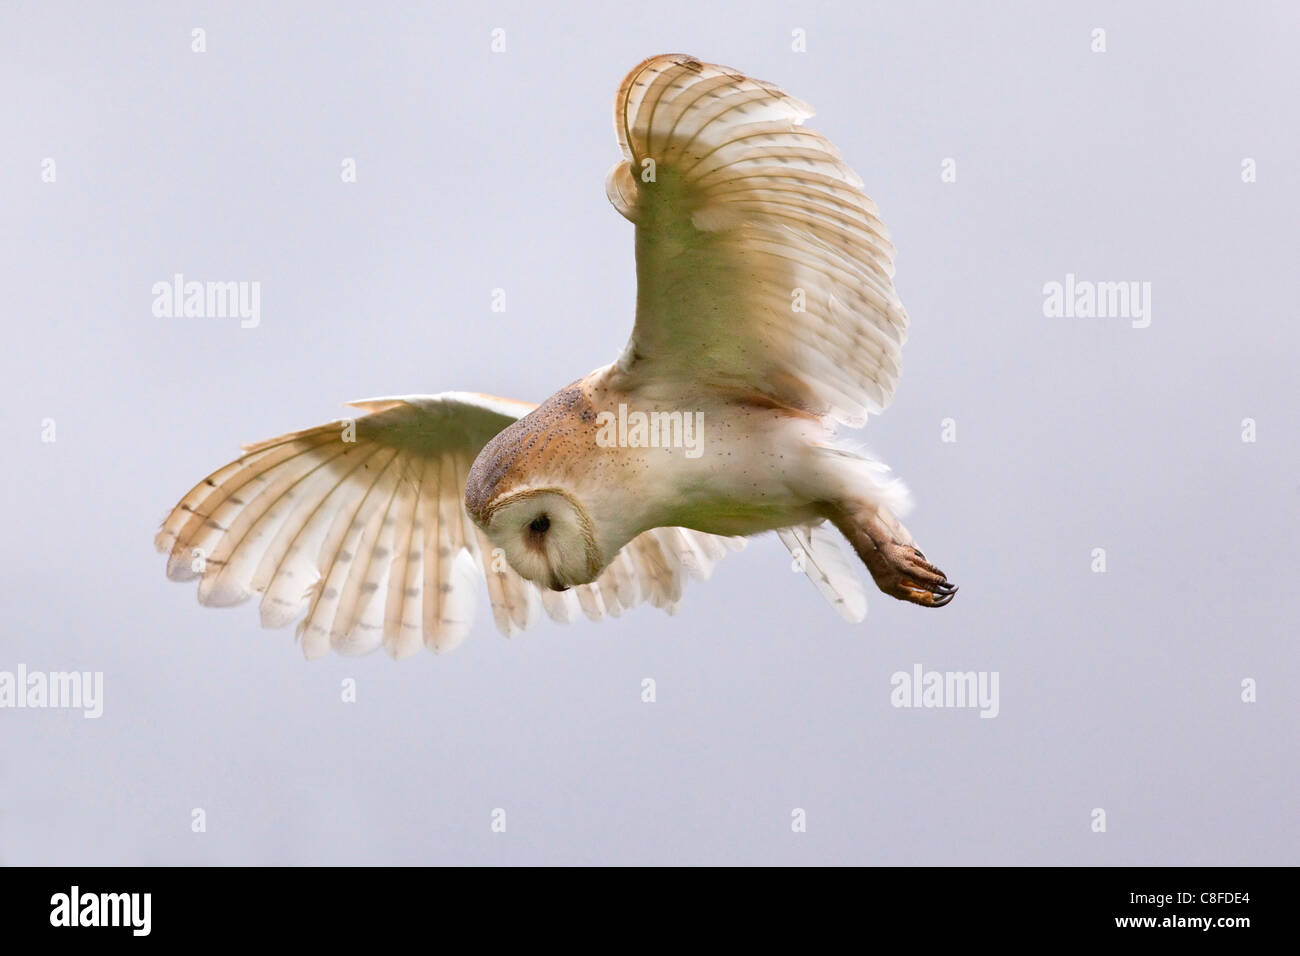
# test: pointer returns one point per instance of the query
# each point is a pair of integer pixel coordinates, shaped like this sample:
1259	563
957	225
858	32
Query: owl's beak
557	586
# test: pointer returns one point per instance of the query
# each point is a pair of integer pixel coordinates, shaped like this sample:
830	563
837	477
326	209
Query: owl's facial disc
547	537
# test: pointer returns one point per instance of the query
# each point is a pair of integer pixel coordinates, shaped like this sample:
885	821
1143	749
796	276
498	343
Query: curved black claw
907	575
946	593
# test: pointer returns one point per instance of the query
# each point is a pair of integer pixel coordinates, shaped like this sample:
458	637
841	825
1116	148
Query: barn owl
765	316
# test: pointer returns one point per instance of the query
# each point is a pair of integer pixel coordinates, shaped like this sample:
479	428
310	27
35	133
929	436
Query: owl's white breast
701	460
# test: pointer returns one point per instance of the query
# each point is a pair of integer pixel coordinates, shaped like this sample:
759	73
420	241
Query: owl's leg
885	547
859	497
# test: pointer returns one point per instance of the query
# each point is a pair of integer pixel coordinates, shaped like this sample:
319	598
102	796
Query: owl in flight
765	315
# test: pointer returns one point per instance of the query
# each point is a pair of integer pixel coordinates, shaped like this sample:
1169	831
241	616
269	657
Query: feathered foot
899	569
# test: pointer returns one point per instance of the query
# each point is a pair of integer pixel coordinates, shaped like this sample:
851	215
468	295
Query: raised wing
761	265
361	522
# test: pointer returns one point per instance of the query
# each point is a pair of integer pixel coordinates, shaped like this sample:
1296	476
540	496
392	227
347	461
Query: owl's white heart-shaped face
547	537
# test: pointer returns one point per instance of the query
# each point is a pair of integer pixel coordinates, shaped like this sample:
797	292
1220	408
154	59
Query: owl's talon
901	571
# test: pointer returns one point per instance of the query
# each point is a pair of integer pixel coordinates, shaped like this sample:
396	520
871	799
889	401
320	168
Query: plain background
477	171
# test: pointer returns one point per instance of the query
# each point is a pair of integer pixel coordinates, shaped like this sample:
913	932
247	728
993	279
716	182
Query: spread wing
761	264
362	524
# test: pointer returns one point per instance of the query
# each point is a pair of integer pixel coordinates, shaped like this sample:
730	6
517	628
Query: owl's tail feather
816	554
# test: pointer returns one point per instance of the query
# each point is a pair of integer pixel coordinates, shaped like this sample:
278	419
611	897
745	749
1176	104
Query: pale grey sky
1119	691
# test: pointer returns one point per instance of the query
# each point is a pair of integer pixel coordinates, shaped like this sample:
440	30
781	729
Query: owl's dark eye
540	524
